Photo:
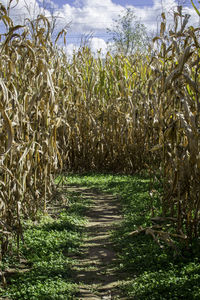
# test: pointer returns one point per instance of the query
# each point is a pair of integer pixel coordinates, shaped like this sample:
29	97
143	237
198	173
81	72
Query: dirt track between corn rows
95	270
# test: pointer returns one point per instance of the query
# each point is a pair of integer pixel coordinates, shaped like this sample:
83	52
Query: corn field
122	115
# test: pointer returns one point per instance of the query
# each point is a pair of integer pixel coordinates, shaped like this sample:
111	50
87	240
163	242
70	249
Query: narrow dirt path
95	270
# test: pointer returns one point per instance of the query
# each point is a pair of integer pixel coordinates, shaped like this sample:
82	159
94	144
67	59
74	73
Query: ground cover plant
153	271
44	269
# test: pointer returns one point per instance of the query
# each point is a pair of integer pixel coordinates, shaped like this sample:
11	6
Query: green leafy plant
152	271
44	270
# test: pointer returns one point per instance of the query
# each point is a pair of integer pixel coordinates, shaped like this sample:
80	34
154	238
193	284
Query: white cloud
95	44
23	9
98	44
151	16
93	15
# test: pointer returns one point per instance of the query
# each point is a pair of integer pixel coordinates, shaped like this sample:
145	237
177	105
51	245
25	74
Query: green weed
48	249
151	272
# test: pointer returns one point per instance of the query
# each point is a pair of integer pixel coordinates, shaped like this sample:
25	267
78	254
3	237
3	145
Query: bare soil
95	271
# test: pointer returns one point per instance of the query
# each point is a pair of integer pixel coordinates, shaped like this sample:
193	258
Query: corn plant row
29	121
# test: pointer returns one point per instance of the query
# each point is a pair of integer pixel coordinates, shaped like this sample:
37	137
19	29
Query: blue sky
141	3
60	3
93	17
